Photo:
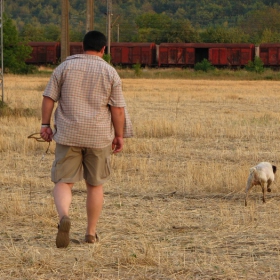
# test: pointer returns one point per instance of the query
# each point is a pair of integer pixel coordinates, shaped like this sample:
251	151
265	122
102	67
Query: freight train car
188	54
49	52
270	54
176	54
76	48
128	54
44	53
234	55
167	54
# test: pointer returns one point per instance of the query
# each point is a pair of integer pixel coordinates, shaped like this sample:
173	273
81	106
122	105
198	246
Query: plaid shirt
84	85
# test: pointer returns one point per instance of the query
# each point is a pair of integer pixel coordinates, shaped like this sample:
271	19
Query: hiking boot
62	238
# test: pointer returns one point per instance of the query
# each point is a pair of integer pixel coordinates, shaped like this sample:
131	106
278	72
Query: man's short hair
94	41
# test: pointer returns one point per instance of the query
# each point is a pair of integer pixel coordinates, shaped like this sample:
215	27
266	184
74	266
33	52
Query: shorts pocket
53	172
107	168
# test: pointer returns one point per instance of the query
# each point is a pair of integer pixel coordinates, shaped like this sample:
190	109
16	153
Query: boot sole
62	238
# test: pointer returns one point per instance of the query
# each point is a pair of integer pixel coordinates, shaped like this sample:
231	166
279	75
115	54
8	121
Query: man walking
90	120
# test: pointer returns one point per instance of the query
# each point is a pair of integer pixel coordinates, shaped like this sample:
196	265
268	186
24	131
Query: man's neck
100	54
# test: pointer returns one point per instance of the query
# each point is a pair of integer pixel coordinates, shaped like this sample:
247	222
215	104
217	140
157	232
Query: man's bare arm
47	108
117	114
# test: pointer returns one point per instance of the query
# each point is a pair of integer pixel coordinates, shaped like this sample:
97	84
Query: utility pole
2	50
90	15
118	27
118	32
65	46
109	14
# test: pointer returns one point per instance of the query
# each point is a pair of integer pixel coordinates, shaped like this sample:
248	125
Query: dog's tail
250	180
252	170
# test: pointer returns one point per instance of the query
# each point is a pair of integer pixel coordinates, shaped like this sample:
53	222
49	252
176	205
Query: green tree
181	30
152	27
270	37
33	32
76	36
52	32
257	21
14	52
153	20
223	35
160	28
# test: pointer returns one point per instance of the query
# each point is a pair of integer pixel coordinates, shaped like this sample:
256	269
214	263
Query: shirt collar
84	56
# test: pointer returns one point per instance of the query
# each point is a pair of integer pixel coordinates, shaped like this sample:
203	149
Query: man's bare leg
94	206
62	193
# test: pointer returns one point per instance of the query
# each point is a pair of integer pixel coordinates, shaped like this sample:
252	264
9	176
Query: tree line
238	21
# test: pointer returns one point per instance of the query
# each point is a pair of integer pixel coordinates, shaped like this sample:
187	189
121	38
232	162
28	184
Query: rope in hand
38	138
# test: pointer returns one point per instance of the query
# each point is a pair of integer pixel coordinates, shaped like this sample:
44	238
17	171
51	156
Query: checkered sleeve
52	89
128	129
116	98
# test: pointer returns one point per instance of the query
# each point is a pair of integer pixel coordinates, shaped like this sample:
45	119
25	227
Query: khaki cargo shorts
72	164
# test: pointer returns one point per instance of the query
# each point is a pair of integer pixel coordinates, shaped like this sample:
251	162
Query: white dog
263	175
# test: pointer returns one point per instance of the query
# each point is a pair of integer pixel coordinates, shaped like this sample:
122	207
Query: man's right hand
46	133
117	144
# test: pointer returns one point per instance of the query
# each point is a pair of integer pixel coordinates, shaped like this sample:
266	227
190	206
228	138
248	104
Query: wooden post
2	50
257	51
109	14
90	15
65	46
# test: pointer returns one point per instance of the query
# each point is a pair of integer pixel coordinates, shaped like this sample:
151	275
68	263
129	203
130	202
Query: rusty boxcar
44	53
270	54
231	54
176	54
76	48
188	54
132	53
167	54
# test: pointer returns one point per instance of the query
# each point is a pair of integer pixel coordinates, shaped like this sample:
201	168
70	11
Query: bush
255	66
204	65
137	69
15	52
107	57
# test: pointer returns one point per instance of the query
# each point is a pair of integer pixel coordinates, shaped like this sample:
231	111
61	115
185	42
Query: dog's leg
264	188
268	185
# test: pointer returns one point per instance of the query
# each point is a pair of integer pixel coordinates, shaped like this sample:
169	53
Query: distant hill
201	14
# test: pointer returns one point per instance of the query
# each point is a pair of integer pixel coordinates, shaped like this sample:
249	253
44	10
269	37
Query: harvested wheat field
174	206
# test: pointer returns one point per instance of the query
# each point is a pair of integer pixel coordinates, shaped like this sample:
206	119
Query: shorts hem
97	184
69	181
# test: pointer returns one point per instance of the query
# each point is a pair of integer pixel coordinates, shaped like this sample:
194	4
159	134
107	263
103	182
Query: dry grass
174	206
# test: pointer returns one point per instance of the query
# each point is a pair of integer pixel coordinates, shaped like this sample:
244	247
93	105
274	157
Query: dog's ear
274	168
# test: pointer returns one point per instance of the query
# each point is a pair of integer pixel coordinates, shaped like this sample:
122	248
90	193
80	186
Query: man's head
94	41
